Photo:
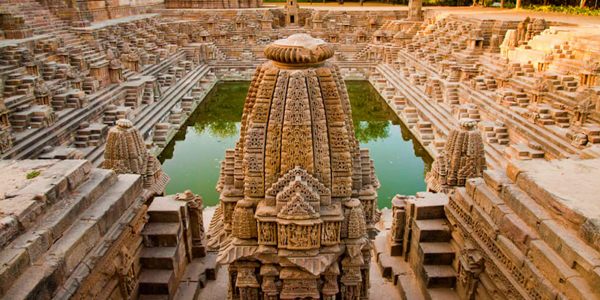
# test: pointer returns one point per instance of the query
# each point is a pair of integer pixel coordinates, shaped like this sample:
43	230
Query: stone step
35	242
439	276
36	198
161	257
157	282
164	211
436	253
210	265
52	269
430	208
155	297
442	293
165	234
197	272
432	230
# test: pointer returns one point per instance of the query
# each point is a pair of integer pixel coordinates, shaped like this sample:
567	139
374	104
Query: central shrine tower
298	196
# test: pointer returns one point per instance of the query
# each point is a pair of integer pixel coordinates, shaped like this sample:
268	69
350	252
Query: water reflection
400	164
193	158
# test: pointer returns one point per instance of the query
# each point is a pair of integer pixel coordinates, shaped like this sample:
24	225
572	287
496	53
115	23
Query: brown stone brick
530	211
550	263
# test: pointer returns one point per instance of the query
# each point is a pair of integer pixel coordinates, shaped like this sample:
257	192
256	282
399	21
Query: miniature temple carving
308	202
126	153
463	158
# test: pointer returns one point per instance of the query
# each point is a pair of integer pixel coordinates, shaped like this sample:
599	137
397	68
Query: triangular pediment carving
298	208
297	186
291	175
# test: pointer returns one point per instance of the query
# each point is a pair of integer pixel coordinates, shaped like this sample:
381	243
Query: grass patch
33	174
570	10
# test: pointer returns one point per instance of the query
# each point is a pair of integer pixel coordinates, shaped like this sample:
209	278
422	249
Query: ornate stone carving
462	158
126	153
299	165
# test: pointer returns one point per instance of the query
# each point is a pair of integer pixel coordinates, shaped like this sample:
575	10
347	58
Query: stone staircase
76	207
522	151
171	267
431	253
163	256
37	17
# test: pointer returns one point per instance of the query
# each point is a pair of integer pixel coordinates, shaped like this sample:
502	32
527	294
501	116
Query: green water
193	158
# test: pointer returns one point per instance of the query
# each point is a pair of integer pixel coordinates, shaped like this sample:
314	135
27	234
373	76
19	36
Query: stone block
484	222
571	249
529	210
433	230
429	206
590	232
521	234
578	288
76	243
10	229
39	281
511	251
164	209
13	262
548	200
486	198
472	184
165	234
513	170
549	263
35	242
536	281
495	180
499	212
109	208
463	199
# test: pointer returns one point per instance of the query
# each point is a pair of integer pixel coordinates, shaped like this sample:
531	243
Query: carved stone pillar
270	275
196	225
330	283
233	292
365	273
246	281
351	278
470	265
414	10
396	234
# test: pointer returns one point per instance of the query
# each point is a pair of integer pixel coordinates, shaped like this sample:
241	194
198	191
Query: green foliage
369	115
33	174
223	111
571	10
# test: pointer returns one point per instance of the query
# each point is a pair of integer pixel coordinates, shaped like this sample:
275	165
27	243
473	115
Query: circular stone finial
124	123
467	124
299	49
